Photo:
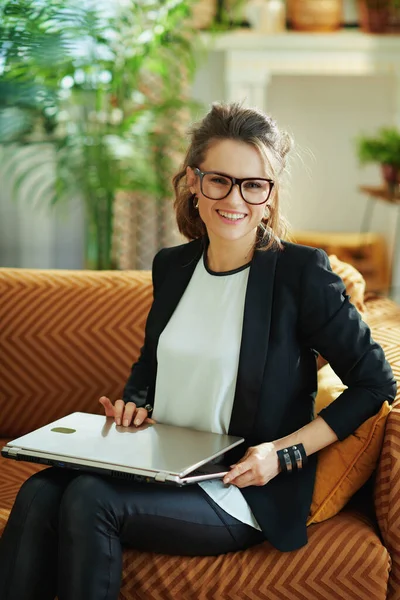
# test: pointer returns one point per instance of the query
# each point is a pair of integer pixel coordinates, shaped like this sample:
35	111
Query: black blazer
295	306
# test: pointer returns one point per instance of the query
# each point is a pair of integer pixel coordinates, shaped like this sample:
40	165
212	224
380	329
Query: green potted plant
102	91
384	149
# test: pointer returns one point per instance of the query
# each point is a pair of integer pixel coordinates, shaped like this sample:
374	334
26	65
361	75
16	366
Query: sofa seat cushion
343	559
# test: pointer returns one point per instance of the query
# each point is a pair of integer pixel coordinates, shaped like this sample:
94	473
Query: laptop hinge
12	451
161	477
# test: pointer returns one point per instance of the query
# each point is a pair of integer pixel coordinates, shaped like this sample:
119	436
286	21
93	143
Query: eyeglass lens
254	191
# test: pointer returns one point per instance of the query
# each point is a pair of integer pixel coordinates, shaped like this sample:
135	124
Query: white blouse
198	356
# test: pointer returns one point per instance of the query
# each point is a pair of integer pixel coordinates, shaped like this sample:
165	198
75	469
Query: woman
230	346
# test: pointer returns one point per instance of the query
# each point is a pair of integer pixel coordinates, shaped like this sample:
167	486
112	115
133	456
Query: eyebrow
228	175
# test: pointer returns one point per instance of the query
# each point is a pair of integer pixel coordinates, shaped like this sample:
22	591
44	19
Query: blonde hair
249	125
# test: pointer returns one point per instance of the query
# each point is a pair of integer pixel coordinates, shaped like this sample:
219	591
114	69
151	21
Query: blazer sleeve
136	388
330	324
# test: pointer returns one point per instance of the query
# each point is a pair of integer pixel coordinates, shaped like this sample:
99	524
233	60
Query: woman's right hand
125	414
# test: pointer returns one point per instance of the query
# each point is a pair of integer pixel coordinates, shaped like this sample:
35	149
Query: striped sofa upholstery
68	337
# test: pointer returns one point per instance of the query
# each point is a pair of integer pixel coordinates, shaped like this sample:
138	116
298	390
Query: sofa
69	337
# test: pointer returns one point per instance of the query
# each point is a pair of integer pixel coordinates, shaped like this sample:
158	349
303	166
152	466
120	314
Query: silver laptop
161	453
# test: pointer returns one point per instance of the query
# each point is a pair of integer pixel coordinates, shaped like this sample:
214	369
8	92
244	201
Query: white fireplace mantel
252	58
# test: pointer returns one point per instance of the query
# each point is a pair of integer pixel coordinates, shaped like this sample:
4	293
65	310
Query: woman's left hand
259	465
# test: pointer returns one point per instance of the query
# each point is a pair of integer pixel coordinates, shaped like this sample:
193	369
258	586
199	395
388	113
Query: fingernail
227	480
118	421
137	422
126	423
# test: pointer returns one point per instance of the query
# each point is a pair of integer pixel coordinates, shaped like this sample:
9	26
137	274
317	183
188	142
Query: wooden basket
315	15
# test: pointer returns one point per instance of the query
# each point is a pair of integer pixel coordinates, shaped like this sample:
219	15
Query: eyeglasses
217	186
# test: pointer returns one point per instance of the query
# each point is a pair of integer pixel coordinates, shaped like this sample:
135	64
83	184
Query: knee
84	500
39	495
40	490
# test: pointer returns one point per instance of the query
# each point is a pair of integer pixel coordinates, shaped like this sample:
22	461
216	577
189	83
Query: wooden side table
365	251
390	197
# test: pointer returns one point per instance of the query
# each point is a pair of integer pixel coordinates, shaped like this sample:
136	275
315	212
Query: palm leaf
14	124
41	44
23	166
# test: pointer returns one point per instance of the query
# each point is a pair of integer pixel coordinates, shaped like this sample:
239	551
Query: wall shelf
351	39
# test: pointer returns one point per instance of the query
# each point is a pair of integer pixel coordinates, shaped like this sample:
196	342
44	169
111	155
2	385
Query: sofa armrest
387	497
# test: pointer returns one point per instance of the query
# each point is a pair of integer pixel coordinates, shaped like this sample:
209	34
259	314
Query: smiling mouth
231	216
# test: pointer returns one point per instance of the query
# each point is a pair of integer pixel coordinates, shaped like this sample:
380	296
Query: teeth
232	216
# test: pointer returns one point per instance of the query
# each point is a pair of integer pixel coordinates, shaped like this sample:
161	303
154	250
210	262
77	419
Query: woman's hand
125	414
259	465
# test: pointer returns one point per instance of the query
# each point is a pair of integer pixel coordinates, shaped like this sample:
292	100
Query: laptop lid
158	450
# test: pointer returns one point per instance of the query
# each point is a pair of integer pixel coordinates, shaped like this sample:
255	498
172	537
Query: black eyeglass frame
234	181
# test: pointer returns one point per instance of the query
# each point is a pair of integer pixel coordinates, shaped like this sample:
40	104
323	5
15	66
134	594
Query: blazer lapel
254	344
174	286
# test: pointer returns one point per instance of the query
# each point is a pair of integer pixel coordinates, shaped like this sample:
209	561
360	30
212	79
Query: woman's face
231	219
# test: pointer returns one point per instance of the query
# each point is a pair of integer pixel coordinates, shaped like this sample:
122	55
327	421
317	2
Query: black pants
66	531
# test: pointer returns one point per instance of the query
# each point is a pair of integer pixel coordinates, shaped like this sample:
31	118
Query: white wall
34	234
40	238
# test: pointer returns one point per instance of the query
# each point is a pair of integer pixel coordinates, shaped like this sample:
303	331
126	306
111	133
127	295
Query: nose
235	194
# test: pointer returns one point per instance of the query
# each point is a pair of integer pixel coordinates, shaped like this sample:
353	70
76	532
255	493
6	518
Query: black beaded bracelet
292	458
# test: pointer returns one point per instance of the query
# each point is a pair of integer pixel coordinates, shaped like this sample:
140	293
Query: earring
195	201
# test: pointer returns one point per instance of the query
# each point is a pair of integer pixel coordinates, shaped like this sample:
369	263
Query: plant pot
391	176
203	14
315	15
374	15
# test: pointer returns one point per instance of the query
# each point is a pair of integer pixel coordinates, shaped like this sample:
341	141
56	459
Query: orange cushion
355	287
343	467
352	279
